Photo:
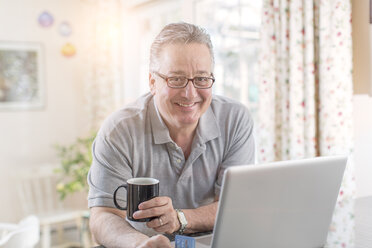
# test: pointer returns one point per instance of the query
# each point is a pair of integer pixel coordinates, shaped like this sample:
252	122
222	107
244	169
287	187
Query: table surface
363	223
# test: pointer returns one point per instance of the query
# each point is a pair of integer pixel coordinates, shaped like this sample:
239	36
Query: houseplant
75	163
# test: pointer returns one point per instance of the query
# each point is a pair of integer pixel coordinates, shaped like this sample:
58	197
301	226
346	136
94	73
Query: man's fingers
158	241
157	222
151	212
154	202
162	208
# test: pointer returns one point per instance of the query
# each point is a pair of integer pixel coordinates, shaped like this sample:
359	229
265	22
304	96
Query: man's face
182	108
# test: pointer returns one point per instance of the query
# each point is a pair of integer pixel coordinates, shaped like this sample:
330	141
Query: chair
24	235
38	195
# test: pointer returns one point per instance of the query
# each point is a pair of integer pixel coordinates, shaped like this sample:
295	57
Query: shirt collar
160	131
207	129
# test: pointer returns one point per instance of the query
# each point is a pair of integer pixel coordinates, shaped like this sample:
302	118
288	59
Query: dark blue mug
139	189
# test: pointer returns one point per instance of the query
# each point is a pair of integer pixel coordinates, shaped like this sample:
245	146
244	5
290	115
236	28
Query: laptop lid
281	204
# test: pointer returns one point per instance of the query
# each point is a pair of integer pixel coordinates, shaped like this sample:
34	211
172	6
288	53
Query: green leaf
75	161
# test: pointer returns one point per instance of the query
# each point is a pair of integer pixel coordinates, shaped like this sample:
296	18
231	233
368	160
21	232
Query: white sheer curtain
305	89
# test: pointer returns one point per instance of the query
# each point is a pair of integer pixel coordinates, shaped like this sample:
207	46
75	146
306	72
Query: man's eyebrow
203	72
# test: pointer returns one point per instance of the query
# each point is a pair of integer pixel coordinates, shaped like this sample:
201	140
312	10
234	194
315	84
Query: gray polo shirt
135	142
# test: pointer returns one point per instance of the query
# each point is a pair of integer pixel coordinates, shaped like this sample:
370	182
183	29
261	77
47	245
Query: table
363	223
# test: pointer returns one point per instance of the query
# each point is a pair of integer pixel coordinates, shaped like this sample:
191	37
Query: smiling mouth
185	105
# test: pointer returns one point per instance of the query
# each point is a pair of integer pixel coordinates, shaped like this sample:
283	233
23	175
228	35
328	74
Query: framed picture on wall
21	76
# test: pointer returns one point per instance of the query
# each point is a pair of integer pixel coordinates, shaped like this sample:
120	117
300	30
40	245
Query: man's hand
162	208
158	241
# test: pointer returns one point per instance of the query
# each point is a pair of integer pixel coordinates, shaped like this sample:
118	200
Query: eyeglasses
181	82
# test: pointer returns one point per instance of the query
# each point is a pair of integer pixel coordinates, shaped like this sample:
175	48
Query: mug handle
115	202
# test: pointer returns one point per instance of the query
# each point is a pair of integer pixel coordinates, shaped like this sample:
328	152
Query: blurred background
66	65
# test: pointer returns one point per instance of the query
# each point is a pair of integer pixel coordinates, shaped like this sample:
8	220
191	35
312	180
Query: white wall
27	137
362	77
363	144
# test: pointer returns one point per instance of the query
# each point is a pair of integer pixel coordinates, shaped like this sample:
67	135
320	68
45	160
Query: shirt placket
176	156
196	152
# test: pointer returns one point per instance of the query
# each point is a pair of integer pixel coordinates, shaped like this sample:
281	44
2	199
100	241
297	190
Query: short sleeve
241	148
110	169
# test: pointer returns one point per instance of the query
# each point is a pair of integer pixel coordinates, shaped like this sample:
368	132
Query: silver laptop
283	204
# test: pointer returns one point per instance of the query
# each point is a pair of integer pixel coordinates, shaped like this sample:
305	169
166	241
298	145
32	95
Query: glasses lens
177	81
203	82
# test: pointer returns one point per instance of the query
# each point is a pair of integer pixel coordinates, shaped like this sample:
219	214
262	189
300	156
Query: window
234	28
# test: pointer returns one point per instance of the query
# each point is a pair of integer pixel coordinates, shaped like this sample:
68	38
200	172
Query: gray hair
178	33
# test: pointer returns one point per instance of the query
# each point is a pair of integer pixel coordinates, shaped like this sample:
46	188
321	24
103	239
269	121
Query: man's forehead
181	48
180	72
178	59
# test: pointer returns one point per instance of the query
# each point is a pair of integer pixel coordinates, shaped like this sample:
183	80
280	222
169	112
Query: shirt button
178	160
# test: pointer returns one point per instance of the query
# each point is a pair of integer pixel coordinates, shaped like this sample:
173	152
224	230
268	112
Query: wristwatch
182	219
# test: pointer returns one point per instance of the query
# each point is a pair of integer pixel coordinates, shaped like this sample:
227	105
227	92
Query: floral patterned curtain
305	88
103	50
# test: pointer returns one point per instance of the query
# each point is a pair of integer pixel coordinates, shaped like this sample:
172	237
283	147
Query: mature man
181	134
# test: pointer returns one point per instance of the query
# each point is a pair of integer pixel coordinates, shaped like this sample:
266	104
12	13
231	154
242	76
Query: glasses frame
188	80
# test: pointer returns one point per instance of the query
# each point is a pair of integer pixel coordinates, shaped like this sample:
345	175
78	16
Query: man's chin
188	122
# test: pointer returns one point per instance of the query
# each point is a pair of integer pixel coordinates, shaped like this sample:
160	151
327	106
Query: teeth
185	105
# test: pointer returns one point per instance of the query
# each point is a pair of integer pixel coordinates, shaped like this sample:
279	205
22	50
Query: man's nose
190	90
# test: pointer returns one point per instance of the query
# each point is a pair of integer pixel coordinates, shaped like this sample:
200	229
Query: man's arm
110	229
199	219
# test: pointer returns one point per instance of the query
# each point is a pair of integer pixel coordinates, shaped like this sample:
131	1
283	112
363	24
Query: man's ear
152	83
